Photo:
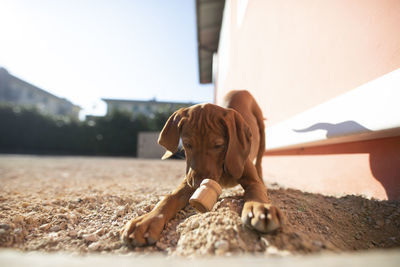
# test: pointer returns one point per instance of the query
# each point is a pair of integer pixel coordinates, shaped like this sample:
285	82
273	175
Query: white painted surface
241	11
387	258
367	112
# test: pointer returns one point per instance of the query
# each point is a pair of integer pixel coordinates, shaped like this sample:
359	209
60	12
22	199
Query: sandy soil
78	204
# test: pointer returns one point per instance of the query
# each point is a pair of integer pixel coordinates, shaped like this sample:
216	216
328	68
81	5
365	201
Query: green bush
26	130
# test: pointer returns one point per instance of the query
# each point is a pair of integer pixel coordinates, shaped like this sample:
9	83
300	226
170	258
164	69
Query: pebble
53	235
161	246
63	225
120	211
55	228
357	236
18	235
99	232
18	219
2	232
380	223
31	220
61	216
5	226
221	247
272	250
73	219
72	233
263	240
195	225
95	246
90	237
141	212
45	227
317	243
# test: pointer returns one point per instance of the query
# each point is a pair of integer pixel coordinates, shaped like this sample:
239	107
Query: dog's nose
203	173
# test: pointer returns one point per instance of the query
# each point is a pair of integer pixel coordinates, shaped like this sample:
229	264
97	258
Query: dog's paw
143	230
261	217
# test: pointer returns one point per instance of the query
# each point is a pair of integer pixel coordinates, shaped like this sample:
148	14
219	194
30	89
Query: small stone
317	243
18	235
99	232
94	246
195	225
263	240
5	226
120	211
90	237
61	216
73	219
221	247
380	223
31	220
45	227
55	228
63	226
2	232
53	235
161	246
18	219
73	233
81	233
357	236
272	250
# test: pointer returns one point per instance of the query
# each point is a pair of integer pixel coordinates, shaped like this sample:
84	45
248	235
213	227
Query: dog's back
244	103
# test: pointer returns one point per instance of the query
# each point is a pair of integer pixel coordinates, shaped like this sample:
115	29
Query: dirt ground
78	205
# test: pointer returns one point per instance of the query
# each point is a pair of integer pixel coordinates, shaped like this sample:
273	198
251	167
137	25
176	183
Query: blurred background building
17	92
146	108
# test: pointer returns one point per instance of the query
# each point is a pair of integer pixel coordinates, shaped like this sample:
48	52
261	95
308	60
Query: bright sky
92	49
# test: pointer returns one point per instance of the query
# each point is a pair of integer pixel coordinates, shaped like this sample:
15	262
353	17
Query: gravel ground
79	204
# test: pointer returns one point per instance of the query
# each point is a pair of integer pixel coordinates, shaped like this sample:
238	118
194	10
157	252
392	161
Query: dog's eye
218	146
187	146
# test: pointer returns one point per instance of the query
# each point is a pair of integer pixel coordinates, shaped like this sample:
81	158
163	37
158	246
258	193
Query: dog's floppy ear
239	143
169	136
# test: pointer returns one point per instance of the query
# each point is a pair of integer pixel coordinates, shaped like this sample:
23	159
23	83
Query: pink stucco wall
293	55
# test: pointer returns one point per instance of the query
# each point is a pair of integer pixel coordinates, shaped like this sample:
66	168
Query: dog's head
215	139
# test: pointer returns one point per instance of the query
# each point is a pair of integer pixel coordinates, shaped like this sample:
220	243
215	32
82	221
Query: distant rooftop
153	101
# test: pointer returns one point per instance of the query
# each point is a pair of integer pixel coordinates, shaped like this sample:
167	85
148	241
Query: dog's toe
144	230
261	217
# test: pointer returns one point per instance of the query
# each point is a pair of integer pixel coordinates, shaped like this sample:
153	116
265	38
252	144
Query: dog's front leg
258	213
146	229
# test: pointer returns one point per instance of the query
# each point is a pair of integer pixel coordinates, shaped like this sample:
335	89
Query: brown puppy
220	144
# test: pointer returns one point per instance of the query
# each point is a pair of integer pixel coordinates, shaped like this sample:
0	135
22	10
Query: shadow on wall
336	130
384	154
